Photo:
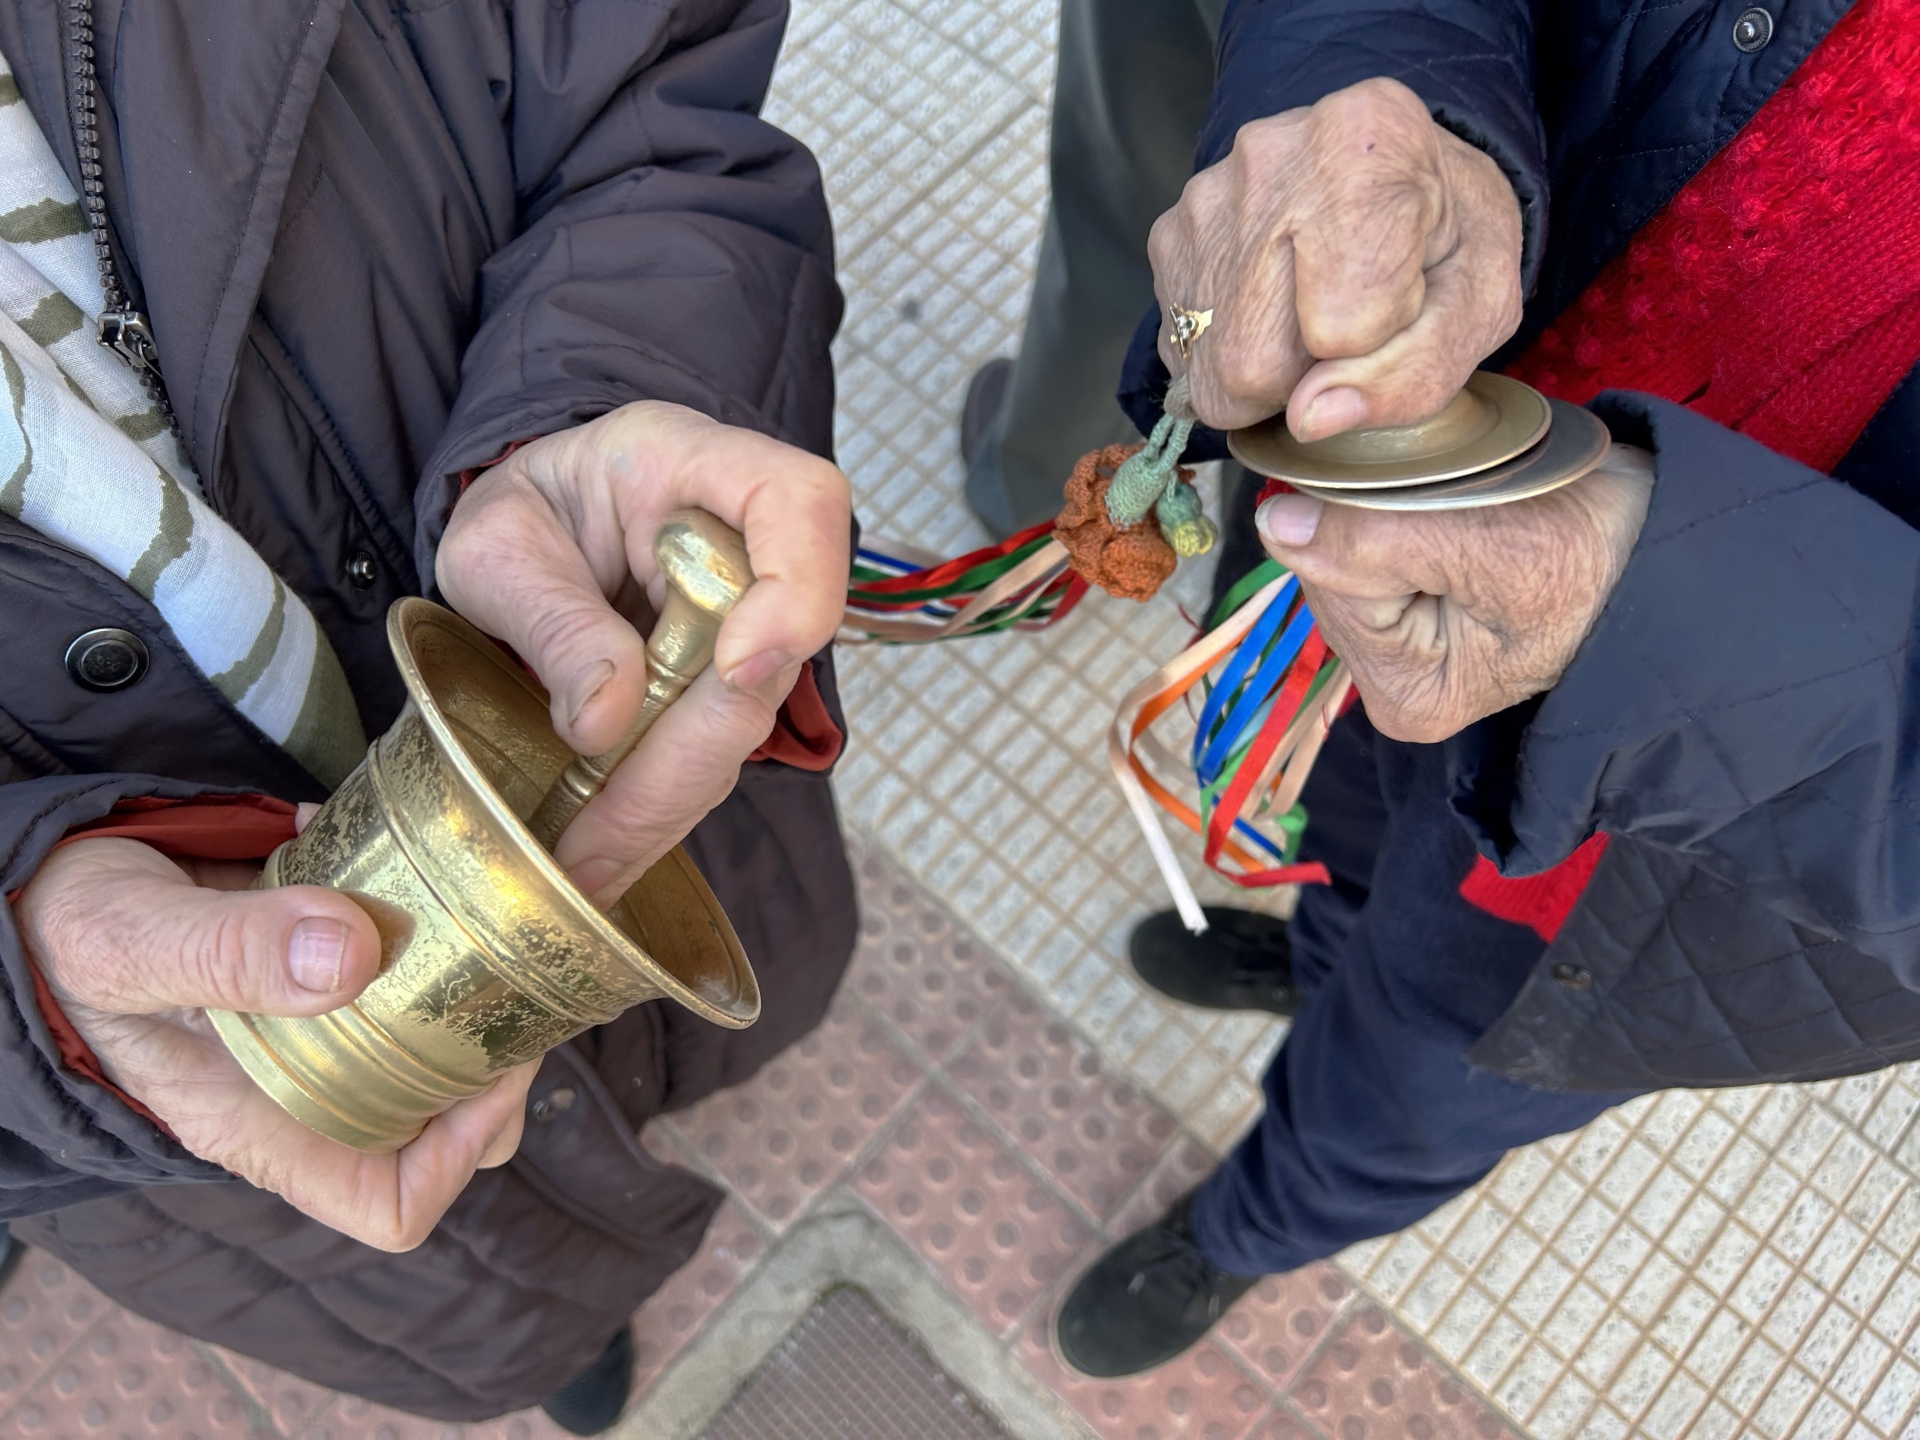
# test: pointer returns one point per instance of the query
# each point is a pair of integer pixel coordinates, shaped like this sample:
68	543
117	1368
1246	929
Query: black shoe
11	1251
593	1399
1242	962
1145	1300
986	398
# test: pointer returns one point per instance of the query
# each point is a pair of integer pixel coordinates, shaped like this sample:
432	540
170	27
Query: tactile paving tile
129	1378
1095	1133
1180	1169
790	1132
928	980
1372	1382
990	1227
1279	1324
674	1313
291	1403
1204	1394
351	1418
43	1311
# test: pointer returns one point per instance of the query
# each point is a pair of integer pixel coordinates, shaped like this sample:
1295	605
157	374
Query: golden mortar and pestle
1497	441
491	956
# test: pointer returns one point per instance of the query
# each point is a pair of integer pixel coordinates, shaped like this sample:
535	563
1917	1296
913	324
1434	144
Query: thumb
1343	550
508	565
116	925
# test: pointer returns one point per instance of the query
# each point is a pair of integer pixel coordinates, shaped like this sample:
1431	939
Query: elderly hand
134	945
540	544
1359	262
1448	617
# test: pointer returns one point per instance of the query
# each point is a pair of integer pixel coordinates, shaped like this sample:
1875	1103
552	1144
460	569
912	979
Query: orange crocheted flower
1132	563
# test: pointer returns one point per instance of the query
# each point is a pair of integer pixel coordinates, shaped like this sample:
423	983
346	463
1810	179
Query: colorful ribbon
1023	583
1271	690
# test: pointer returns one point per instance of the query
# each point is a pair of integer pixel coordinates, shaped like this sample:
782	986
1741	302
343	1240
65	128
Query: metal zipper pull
125	332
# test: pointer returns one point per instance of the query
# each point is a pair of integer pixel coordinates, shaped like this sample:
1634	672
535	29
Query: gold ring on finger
1188	326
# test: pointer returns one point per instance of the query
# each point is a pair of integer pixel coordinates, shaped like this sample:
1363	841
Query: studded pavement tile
1180	1169
987	1224
674	1313
43	1311
290	1402
1279	1324
790	1132
1204	1394
1094	1132
1372	1382
1279	1425
930	980
352	1418
126	1377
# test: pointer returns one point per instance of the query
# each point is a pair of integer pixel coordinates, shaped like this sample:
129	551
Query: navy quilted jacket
1742	719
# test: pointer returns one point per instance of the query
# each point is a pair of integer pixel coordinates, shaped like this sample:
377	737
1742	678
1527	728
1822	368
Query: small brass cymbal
1575	444
1491	421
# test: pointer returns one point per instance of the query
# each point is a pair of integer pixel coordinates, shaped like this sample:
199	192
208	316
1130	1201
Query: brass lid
1491	421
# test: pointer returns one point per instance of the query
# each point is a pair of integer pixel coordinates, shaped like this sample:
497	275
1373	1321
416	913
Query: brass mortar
490	955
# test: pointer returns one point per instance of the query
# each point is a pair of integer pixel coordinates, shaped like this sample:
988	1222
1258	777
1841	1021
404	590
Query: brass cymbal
1491	421
1575	444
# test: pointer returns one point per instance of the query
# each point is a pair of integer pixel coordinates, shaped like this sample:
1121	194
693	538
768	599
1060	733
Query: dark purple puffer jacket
380	240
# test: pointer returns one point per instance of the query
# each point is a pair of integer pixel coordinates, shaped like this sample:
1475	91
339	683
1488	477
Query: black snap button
1752	30
361	570
1574	977
106	659
551	1104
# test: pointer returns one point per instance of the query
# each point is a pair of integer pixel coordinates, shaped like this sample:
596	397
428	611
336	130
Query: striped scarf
87	460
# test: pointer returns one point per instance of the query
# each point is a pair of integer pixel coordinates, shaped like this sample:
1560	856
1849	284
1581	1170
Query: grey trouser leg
1131	93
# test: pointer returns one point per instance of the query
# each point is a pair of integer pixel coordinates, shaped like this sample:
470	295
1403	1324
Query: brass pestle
490	955
705	562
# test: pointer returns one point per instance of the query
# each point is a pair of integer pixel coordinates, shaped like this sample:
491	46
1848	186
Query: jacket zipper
122	329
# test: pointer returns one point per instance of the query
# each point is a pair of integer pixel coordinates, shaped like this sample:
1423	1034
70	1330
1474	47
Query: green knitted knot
1182	521
1149	479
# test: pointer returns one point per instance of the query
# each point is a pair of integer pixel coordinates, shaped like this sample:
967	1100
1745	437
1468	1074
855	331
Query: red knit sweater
1778	293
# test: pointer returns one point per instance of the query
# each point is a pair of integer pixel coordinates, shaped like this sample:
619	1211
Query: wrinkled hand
1359	261
541	543
1448	617
134	945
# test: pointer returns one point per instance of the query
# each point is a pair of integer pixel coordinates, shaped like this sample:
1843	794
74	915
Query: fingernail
315	953
1290	520
1332	411
756	670
586	687
590	877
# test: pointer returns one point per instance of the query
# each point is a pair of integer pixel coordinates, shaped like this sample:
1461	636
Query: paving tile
43	1311
1374	1382
1277	1326
781	1139
674	1313
352	1418
986	1223
290	1402
929	980
128	1378
1180	1169
1094	1132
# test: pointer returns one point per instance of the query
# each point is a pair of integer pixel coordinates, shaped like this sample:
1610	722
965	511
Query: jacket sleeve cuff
1743	696
74	1135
